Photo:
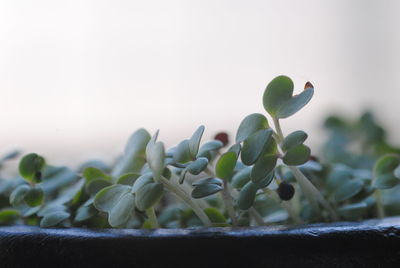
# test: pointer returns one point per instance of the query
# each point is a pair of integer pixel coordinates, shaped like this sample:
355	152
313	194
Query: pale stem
253	212
226	198
187	199
379	204
152	218
310	191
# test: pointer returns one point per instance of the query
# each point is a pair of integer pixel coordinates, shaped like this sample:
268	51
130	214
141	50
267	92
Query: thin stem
310	191
228	202
185	198
379	204
152	218
256	216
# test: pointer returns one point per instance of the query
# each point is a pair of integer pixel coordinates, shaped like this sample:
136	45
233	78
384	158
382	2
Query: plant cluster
265	177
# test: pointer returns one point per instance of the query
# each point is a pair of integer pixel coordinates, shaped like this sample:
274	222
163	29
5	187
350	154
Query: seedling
264	177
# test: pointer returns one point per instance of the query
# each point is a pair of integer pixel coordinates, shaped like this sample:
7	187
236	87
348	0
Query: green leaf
34	197
122	210
182	152
294	139
211	146
197	166
96	185
54	218
266	181
353	211
128	178
204	190
194	141
92	173
151	144
208	181
278	91
348	190
156	159
297	155
254	145
8	216
236	148
385	181
295	104
250	125
108	197
216	217
225	165
263	167
386	164
247	196
84	213
241	177
142	181
148	195
18	195
30	165
134	154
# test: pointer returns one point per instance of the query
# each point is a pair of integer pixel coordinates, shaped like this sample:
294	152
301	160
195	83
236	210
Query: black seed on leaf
222	137
285	191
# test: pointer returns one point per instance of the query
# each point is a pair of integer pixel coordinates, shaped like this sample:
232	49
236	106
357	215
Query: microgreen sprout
263	177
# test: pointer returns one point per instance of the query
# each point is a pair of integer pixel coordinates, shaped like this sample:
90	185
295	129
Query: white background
78	77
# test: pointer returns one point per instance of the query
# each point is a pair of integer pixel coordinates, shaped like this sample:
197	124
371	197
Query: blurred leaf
241	177
121	212
182	153
348	190
247	196
250	125
92	173
128	178
204	190
216	217
148	195
385	181
30	165
194	141
353	211
225	165
96	185
294	139
18	195
134	154
296	156
156	159
108	197
386	164
84	213
34	197
254	145
236	148
263	166
53	218
208	181
8	216
141	181
197	166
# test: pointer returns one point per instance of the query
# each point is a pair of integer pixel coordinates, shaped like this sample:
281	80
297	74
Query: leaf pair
30	167
278	99
387	172
206	187
31	196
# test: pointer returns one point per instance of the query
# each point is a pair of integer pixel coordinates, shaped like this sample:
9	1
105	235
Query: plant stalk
185	198
228	202
379	204
310	191
152	218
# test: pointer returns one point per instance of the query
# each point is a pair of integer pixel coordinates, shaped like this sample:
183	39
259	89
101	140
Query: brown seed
308	85
222	137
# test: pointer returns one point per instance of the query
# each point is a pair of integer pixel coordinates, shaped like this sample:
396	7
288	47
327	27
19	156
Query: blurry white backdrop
78	77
